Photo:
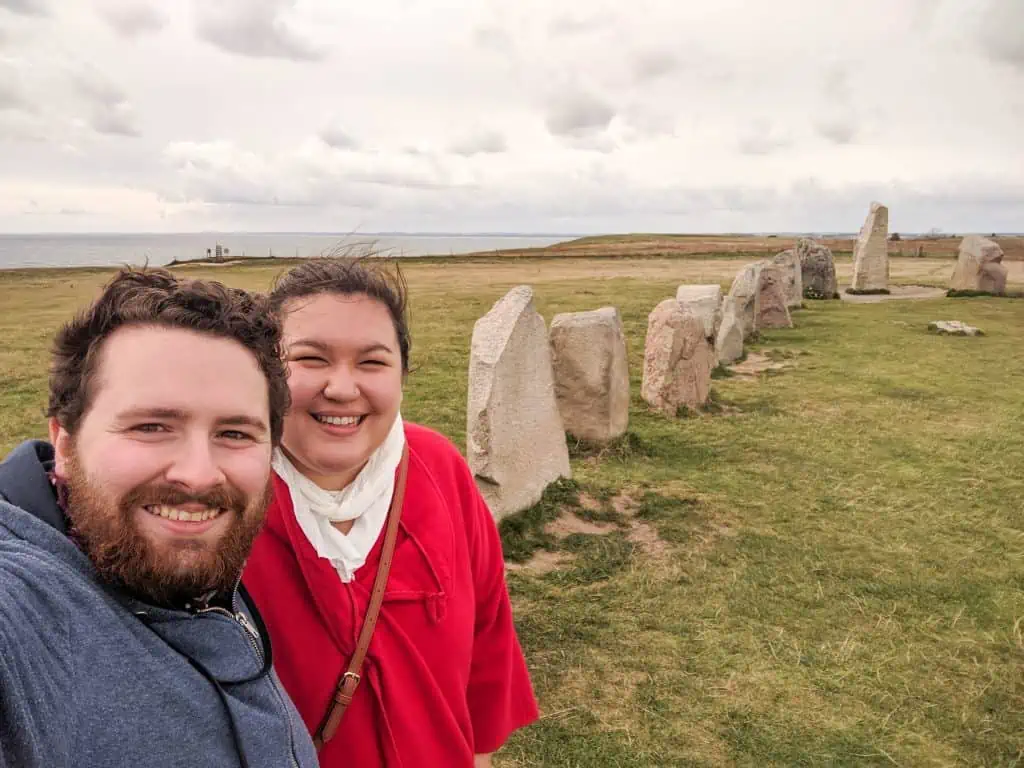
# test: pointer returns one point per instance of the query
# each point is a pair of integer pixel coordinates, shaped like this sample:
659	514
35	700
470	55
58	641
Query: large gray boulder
979	266
746	294
729	341
818	270
515	440
792	273
677	360
871	253
704	301
588	352
772	311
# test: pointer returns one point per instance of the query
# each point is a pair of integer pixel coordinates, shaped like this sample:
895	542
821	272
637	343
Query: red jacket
444	677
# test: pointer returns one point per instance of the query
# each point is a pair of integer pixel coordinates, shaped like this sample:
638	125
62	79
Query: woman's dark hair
349	277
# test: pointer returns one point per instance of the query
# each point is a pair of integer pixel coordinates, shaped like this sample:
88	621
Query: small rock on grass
953	328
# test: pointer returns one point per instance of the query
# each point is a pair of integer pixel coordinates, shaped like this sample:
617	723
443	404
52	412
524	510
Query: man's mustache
221	497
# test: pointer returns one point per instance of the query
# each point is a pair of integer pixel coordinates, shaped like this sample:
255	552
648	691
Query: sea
83	250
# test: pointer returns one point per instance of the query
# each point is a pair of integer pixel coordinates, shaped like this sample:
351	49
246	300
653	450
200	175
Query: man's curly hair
155	297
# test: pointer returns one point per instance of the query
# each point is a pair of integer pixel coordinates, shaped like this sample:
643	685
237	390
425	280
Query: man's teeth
339	421
173	513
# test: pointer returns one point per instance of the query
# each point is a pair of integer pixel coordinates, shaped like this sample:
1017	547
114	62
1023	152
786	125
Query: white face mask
365	500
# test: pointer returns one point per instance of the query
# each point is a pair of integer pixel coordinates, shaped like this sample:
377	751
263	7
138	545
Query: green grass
964	294
841	580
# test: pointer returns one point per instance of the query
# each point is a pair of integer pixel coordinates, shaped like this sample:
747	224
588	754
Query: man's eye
148	428
234	434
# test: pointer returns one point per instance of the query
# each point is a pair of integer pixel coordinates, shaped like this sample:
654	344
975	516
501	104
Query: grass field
824	569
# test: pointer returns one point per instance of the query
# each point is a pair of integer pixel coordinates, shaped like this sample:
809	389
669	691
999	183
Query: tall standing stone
588	353
871	253
704	301
818	270
729	341
746	293
979	266
792	282
677	359
772	311
515	439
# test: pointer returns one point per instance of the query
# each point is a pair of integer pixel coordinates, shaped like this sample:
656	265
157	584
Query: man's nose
195	466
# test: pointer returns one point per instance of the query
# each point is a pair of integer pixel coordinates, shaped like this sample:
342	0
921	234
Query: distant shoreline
635	245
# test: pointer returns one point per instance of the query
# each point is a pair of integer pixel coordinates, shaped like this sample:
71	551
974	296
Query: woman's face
345	377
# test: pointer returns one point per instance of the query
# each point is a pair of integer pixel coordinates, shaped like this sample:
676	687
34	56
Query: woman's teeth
339	421
173	513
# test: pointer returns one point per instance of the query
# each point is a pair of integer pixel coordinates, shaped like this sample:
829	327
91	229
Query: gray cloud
1000	25
253	28
134	20
493	38
337	138
111	113
11	98
578	113
482	142
95	87
26	7
650	65
116	120
762	139
13	90
838	129
575	25
836	84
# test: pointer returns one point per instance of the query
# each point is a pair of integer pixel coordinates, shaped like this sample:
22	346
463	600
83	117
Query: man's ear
61	441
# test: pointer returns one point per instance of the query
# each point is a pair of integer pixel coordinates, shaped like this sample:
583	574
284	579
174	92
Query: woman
443	681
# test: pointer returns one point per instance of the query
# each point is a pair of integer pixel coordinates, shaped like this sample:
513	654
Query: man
124	638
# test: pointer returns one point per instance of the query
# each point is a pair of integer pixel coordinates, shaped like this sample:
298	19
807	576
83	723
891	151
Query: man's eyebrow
176	414
152	413
243	421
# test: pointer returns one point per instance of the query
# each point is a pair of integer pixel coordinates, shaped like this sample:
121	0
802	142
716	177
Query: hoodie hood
25	483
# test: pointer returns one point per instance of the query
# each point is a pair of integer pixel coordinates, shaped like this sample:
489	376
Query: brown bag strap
350	679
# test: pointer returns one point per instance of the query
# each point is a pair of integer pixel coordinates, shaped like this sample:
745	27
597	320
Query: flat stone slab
896	293
953	328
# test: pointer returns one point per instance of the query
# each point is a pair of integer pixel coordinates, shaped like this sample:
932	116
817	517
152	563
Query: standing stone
772	311
745	290
704	301
729	342
792	283
677	360
979	266
871	253
588	353
515	440
818	270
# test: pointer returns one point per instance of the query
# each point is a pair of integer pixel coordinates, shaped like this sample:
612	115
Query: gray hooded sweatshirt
91	677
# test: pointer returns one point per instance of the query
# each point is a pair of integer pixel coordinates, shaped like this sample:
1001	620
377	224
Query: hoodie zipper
253	636
242	619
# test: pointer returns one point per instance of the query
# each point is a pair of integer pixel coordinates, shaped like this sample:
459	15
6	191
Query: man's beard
176	572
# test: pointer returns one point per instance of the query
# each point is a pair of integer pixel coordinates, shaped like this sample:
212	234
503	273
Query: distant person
124	640
443	681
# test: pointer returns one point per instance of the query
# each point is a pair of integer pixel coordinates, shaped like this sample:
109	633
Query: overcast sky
557	116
